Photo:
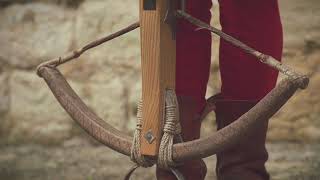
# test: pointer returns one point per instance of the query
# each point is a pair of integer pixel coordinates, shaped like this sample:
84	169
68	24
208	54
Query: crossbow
158	20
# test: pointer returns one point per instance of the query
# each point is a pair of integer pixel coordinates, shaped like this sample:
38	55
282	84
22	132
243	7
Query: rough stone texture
301	24
115	65
299	119
9	55
34	113
32	33
118	58
67	3
4	93
35	32
4	103
37	117
106	100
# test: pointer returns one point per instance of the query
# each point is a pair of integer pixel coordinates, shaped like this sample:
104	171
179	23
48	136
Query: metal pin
149	137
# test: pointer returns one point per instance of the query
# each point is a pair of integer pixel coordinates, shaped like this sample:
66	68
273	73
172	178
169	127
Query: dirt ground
80	160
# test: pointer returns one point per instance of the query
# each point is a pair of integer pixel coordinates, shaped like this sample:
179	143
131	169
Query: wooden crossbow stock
217	142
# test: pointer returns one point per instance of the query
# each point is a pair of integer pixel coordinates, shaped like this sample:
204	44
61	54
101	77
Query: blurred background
39	141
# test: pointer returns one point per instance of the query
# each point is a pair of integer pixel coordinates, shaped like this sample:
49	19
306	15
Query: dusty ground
80	160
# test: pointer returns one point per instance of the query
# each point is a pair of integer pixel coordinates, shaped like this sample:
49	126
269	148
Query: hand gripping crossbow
157	119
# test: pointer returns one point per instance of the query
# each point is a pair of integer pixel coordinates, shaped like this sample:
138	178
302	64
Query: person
244	81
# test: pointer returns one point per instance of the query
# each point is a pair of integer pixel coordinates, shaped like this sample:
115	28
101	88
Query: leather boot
246	160
190	125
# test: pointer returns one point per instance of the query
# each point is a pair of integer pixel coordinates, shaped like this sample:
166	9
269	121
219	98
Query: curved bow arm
120	142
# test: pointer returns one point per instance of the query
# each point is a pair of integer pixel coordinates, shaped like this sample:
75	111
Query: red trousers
254	22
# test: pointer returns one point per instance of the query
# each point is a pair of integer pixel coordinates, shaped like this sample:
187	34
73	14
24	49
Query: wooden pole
158	54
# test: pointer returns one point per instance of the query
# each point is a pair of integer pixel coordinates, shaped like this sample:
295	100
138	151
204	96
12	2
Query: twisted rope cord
171	129
136	155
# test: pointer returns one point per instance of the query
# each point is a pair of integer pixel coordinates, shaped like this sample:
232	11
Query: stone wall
66	3
108	77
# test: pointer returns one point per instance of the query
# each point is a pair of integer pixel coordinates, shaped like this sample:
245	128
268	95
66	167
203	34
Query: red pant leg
194	53
256	23
192	73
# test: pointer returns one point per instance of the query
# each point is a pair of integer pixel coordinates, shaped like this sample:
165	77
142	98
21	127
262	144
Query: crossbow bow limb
215	143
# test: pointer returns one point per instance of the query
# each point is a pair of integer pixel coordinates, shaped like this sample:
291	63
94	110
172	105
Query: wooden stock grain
158	56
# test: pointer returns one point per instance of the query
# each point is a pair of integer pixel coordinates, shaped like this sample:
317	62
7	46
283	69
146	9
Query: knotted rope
136	155
171	130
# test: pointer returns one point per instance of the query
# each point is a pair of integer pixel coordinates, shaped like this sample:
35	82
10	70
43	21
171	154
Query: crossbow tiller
157	113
